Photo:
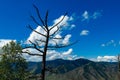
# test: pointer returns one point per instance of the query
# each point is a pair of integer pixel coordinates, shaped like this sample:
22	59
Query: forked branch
38	13
58	22
36	31
35	46
35	21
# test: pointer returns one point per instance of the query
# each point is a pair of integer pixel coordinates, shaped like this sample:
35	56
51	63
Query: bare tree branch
48	37
36	31
59	38
35	46
32	54
58	22
37	10
35	20
56	44
37	23
28	46
55	31
46	20
40	40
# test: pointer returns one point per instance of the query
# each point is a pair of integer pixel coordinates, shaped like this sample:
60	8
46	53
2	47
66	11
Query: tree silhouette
49	34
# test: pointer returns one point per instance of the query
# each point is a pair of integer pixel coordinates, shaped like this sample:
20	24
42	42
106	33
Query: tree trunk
43	67
44	57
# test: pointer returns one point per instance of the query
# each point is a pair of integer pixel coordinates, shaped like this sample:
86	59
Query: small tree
119	63
12	65
49	34
119	66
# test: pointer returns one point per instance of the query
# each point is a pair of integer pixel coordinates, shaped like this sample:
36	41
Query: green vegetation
12	65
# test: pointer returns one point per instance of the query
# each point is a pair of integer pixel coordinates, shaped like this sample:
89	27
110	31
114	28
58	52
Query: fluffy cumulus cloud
66	22
62	55
104	59
53	54
35	36
84	32
107	58
86	16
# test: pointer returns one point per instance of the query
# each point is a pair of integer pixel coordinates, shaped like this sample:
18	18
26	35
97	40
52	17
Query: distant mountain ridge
80	69
62	66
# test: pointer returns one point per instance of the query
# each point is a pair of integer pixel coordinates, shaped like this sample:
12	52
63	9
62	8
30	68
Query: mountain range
80	69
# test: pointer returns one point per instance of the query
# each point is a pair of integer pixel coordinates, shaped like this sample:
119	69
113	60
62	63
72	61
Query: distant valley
80	69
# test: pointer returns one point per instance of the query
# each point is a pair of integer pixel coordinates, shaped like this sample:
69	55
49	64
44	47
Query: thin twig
37	10
46	21
37	23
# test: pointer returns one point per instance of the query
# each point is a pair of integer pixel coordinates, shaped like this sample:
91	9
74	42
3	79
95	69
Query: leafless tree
43	45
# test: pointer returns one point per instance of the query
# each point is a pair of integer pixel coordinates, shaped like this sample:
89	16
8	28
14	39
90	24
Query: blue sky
96	23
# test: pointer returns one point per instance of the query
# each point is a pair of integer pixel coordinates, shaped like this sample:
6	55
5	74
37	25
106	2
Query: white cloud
84	32
66	21
86	15
104	59
35	36
72	26
107	58
61	55
66	39
5	41
63	41
53	54
111	43
71	18
96	15
68	52
32	58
